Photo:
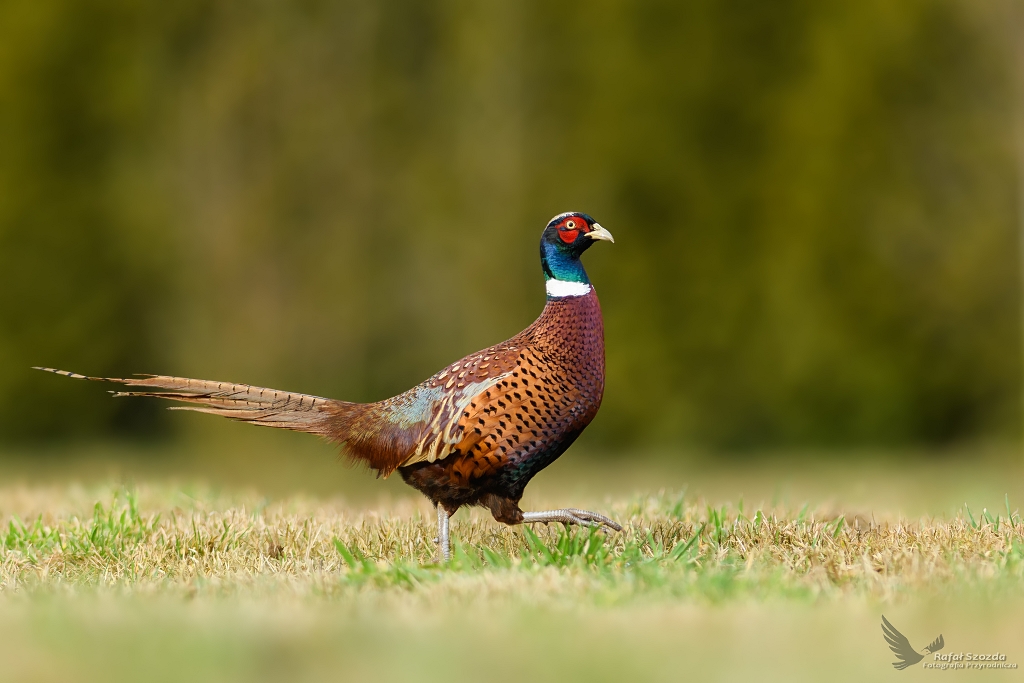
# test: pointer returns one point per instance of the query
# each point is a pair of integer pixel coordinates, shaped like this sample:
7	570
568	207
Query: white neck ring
558	289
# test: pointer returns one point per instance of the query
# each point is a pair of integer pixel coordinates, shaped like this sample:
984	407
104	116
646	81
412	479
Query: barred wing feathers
426	423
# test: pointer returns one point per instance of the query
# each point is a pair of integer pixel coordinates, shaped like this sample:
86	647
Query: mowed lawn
778	570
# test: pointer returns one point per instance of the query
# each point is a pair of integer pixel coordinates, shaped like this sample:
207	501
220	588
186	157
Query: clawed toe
576	516
595	519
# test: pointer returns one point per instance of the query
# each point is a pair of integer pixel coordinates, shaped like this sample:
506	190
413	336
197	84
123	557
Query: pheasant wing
422	424
526	408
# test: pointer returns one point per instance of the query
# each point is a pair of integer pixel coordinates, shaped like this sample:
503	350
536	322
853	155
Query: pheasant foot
571	516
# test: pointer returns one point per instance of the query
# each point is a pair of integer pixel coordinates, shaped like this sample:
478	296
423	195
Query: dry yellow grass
162	541
166	582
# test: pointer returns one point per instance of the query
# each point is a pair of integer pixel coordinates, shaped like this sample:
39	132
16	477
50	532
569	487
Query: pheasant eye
569	231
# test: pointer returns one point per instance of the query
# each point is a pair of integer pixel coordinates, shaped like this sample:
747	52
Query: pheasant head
565	238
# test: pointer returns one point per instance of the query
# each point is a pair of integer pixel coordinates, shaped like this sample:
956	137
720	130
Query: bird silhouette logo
905	653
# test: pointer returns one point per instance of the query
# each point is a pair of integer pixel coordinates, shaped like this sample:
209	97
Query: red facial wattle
570	229
568	236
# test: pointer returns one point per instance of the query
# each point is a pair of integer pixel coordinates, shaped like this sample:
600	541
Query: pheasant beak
599	233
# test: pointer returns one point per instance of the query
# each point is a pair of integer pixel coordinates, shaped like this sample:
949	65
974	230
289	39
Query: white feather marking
562	288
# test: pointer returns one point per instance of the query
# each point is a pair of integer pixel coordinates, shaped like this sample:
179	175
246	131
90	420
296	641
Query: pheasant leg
444	552
571	516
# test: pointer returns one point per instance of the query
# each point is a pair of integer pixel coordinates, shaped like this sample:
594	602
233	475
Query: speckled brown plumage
515	428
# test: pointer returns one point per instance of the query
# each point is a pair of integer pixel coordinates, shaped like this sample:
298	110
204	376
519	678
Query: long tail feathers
257	405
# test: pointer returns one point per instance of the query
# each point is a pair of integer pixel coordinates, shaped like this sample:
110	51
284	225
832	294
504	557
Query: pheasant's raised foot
571	516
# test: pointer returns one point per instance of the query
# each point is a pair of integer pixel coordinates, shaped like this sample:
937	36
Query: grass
160	541
101	580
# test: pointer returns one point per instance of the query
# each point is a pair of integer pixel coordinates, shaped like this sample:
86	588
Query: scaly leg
571	516
444	552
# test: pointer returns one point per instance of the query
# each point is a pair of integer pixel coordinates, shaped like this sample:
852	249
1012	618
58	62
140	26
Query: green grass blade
537	547
971	517
346	554
680	550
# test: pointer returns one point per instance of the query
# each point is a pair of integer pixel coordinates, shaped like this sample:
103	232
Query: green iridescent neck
558	264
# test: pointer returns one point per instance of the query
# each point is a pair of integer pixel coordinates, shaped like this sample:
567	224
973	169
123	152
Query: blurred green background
815	206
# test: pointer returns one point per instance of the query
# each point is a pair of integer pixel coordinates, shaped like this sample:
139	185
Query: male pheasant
477	431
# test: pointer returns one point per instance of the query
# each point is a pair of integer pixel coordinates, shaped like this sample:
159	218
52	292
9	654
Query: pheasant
477	431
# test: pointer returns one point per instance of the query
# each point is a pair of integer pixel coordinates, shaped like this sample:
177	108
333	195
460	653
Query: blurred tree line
814	205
